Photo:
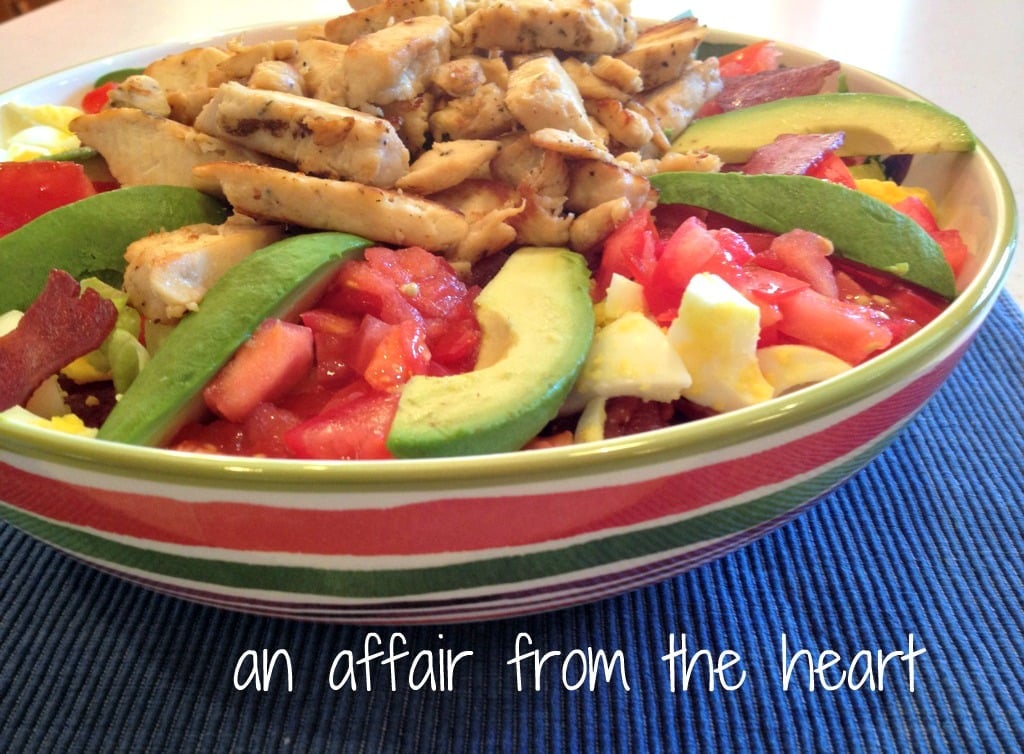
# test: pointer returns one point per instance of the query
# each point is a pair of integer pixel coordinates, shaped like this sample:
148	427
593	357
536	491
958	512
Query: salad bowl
493	536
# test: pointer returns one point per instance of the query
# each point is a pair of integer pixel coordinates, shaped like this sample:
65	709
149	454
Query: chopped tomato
691	249
803	255
275	359
354	425
850	331
832	168
96	99
754	58
629	251
30	189
398	354
950	241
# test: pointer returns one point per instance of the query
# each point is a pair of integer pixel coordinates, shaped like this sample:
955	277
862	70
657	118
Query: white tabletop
962	56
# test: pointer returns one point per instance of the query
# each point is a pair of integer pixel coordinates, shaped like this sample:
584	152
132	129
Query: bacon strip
62	324
757	88
792	154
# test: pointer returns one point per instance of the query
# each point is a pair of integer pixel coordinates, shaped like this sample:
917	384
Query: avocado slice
87	238
275	281
538	321
860	227
873	124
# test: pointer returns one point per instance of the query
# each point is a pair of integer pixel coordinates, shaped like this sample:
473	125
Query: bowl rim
41	444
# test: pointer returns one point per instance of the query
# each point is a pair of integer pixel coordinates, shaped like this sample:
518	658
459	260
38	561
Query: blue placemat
910	577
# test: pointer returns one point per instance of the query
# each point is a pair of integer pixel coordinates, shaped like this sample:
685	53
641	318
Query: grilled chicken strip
390	217
379	15
316	136
663	52
448	164
168	273
542	95
393	64
141	149
587	26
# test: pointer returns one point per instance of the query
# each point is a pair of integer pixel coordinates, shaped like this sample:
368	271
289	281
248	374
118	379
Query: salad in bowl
430	269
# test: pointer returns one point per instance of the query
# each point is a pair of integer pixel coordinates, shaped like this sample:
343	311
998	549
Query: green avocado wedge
873	124
88	238
538	321
275	281
861	228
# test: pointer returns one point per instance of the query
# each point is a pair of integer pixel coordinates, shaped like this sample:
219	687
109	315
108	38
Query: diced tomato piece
690	250
264	431
30	189
274	360
766	288
353	426
803	255
754	58
832	168
398	355
850	331
96	99
361	288
629	250
950	241
454	342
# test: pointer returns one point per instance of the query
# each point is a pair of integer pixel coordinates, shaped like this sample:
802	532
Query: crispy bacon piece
56	329
766	86
792	154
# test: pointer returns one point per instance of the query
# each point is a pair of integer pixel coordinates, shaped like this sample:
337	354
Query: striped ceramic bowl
405	542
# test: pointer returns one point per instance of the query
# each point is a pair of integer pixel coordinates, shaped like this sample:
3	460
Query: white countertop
965	60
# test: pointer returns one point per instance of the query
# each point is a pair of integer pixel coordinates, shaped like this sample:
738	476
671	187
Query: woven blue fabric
925	543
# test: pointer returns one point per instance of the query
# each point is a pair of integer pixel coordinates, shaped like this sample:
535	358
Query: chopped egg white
716	332
632	356
623	296
793	365
28	132
590	426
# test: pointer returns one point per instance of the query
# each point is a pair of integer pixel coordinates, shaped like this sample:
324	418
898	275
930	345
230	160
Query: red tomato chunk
328	386
30	189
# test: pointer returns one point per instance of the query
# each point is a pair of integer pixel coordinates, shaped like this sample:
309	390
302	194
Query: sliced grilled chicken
542	95
448	164
187	70
168	273
662	53
587	26
677	102
379	15
316	136
391	217
143	149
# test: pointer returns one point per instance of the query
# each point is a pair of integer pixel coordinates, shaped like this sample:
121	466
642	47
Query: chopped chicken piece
276	76
542	222
676	103
662	53
626	126
393	64
143	93
593	226
594	183
619	73
167	274
542	95
589	84
239	66
142	149
487	207
186	104
186	70
449	163
459	78
316	136
390	217
316	61
569	144
411	119
587	26
379	15
481	116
